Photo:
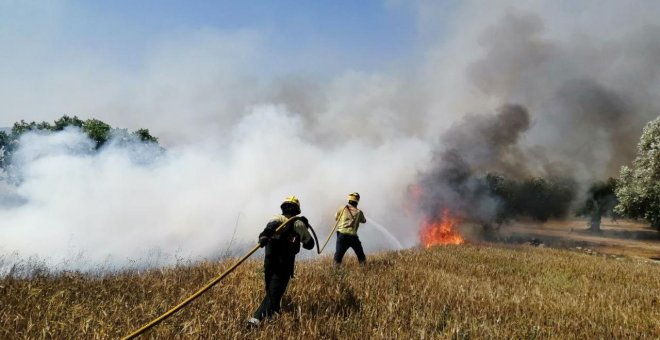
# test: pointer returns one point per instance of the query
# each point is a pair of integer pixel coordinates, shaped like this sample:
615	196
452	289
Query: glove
263	241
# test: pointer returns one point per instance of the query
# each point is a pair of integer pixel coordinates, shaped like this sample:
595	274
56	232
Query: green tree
65	121
145	136
4	139
536	197
22	127
4	148
639	185
97	131
544	198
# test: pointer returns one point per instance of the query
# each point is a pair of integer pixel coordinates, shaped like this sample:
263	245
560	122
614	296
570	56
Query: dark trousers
348	241
277	272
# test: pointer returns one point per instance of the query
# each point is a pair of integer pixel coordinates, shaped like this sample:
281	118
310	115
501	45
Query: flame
441	231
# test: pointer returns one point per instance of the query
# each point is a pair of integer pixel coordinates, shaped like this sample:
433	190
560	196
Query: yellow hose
200	291
333	230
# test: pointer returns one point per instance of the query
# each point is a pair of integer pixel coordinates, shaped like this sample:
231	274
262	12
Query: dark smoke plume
475	148
590	98
482	175
490	142
582	104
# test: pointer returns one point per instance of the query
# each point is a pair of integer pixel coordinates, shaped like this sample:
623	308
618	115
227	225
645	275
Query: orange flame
441	231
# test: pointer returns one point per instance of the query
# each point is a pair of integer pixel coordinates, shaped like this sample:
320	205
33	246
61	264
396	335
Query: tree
639	185
536	197
145	136
600	202
4	148
22	127
544	198
96	130
65	121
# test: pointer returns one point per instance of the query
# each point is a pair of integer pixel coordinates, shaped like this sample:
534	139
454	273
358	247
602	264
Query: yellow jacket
349	219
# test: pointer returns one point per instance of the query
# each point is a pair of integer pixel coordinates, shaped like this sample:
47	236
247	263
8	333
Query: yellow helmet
291	201
354	196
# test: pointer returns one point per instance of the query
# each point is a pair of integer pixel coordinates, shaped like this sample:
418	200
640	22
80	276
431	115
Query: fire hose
212	283
332	232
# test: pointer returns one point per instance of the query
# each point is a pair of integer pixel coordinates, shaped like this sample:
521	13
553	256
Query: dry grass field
467	291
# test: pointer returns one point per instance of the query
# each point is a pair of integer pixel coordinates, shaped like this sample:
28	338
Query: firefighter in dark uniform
281	250
348	220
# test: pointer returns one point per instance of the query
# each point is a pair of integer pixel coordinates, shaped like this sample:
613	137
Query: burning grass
440	292
442	230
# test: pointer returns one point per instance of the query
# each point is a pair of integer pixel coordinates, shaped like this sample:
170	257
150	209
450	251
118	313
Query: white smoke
108	207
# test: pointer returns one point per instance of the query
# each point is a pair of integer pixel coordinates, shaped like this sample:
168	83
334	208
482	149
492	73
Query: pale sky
51	50
322	36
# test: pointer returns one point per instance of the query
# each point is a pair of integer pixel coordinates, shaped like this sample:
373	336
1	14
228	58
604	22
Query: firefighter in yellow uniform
348	220
281	250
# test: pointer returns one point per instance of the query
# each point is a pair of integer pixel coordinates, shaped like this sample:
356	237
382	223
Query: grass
459	292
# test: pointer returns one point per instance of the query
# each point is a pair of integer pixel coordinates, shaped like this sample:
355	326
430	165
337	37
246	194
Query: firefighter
281	250
348	219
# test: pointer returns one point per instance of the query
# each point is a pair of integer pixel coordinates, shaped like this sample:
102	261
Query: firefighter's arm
268	232
362	218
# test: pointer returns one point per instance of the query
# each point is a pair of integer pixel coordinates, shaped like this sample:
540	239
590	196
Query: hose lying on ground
205	288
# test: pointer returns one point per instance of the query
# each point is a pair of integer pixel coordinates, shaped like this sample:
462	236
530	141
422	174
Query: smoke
240	136
587	110
579	117
130	203
489	142
473	146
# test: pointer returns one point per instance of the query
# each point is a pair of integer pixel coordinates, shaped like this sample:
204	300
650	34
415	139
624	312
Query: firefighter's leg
276	290
342	247
266	303
357	247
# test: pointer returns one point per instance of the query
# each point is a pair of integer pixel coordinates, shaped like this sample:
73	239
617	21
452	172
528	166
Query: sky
359	32
51	50
259	100
320	36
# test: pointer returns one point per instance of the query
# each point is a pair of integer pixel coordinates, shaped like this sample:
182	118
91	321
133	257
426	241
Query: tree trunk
596	216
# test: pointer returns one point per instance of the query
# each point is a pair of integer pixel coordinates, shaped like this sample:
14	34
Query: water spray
383	230
378	226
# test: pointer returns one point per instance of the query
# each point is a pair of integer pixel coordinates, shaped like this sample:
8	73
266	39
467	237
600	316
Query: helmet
354	196
291	204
